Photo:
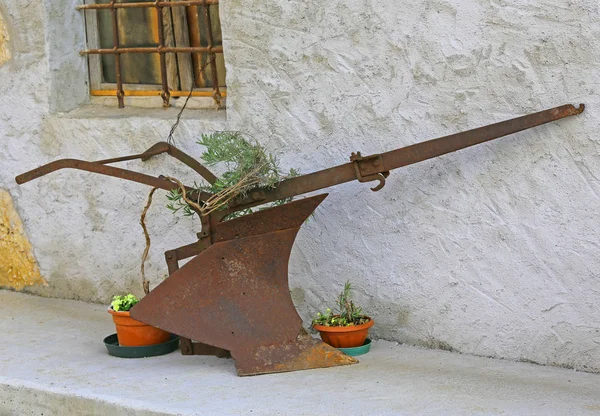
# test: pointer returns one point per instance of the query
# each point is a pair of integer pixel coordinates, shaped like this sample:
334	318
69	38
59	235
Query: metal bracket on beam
368	168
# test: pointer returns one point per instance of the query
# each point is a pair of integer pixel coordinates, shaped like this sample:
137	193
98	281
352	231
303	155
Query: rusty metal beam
157	49
385	162
153	93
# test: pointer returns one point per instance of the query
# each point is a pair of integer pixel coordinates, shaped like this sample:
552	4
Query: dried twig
146	283
220	199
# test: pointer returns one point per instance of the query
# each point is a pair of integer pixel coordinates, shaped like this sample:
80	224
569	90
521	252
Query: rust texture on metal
196	49
232	297
249	266
186	345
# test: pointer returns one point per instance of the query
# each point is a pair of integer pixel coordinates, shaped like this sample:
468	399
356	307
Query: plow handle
101	168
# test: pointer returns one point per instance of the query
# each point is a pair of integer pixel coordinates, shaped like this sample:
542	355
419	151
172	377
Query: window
155	48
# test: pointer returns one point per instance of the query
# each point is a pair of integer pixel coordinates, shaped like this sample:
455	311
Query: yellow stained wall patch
4	38
18	267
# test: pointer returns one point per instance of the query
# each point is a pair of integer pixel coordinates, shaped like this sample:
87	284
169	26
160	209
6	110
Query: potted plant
348	327
132	333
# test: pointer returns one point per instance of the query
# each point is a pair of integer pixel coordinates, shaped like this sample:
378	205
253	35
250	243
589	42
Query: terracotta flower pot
345	336
132	333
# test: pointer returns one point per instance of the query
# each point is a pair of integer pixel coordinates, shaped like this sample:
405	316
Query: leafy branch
247	166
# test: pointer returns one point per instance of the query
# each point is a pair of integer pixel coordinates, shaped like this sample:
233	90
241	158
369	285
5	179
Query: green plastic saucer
113	347
354	351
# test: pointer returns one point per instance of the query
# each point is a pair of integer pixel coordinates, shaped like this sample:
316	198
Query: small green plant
123	303
247	165
347	313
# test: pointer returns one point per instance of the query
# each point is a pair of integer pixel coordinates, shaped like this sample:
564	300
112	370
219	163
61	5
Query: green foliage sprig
347	313
123	303
246	163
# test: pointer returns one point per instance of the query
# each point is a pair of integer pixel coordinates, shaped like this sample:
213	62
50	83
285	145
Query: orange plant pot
345	336
132	333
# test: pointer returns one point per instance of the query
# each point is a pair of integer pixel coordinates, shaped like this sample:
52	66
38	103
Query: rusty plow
232	297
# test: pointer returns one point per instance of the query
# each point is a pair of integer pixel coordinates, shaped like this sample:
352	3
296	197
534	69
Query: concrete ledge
19	398
53	362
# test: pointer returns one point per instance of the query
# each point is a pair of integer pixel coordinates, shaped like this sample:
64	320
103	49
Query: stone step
53	362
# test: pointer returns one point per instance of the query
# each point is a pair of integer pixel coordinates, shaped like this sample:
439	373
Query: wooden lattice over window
166	48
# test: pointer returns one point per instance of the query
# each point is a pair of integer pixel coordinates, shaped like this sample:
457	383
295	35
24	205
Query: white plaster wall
84	228
491	251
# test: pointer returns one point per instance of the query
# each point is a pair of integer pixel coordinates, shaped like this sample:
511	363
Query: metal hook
380	176
381	179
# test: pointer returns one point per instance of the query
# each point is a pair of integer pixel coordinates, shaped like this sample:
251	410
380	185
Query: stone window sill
99	111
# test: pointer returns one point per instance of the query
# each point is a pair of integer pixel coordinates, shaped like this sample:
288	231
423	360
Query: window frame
178	64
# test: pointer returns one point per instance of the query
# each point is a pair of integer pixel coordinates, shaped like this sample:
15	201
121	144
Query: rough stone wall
490	251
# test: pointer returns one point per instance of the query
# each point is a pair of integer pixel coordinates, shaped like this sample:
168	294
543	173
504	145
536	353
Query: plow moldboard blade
235	296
